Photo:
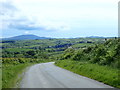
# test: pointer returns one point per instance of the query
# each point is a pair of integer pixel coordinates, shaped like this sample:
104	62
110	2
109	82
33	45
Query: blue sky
59	18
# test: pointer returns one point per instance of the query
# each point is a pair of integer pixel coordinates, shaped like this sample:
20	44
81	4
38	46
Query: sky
59	18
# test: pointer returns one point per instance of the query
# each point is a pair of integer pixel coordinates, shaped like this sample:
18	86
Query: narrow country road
47	75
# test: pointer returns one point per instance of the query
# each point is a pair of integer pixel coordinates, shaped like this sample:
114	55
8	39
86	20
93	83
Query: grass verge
103	74
0	76
10	74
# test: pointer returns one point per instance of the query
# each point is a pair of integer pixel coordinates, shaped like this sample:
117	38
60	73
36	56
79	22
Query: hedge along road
47	75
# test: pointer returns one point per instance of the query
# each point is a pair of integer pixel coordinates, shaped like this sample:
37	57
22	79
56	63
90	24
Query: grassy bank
12	68
103	74
0	75
10	74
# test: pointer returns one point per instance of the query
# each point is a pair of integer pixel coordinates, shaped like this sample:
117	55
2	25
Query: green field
0	74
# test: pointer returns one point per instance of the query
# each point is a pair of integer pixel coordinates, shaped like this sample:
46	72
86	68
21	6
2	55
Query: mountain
25	37
100	37
95	37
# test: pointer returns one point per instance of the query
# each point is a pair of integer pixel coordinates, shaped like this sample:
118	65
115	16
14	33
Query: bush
104	54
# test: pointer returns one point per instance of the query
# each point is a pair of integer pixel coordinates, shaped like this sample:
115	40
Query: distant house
70	47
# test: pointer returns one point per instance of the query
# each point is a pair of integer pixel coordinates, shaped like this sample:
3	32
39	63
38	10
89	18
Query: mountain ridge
33	37
25	37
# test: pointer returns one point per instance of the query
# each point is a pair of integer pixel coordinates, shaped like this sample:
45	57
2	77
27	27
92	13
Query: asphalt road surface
47	75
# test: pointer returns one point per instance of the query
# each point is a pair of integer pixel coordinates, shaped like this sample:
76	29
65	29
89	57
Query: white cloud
27	32
55	26
13	18
64	10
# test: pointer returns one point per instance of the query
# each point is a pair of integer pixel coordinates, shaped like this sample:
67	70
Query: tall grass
103	74
13	67
0	75
10	74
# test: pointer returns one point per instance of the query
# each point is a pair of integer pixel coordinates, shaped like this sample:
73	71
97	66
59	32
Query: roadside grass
103	74
11	72
0	75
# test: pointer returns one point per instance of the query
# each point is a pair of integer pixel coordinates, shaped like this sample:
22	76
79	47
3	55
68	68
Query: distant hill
95	37
25	37
98	37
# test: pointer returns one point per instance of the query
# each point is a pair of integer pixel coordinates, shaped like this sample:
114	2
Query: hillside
100	62
107	53
25	37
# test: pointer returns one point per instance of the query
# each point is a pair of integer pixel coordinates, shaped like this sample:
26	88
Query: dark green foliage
32	53
87	50
77	56
16	61
107	53
68	55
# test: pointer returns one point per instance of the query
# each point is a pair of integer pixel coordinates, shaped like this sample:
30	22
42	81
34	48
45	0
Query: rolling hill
25	37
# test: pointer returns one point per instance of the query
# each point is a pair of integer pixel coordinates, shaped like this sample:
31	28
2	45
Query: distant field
82	45
17	49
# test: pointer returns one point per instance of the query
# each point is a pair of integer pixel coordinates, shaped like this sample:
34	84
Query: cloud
56	26
24	25
13	18
27	24
7	13
27	32
7	8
